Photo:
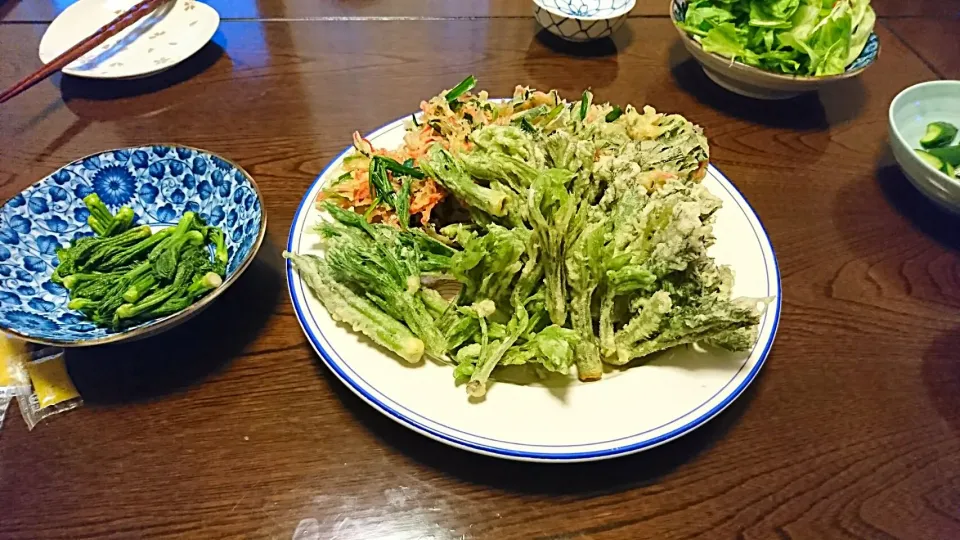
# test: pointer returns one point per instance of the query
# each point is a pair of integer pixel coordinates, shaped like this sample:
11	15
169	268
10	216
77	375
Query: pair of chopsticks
127	18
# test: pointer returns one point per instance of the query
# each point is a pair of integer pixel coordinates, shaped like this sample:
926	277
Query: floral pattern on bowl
582	20
593	9
159	183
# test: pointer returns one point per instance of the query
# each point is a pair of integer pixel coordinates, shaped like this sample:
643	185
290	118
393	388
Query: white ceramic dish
155	43
582	20
625	412
909	114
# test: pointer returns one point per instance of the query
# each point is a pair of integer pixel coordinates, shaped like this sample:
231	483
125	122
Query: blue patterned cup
582	20
159	183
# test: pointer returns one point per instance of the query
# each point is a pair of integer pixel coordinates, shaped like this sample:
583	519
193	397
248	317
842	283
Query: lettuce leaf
795	37
773	14
702	17
864	19
830	40
727	40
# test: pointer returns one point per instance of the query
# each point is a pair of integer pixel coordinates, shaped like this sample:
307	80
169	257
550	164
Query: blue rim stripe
351	374
405	420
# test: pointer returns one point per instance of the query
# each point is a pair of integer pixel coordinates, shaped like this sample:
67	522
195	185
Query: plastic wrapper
4	403
14	380
52	391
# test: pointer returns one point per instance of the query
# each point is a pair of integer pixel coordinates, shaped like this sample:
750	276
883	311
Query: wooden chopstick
127	18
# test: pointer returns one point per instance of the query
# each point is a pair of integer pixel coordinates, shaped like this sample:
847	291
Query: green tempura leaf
383	264
446	169
582	235
551	208
346	306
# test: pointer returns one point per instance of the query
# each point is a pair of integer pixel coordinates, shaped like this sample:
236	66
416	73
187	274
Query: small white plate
157	42
625	412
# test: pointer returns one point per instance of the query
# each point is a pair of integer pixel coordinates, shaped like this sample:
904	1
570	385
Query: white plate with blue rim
159	183
626	412
155	43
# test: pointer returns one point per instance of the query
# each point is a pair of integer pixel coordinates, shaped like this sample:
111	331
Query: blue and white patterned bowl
756	83
159	183
582	20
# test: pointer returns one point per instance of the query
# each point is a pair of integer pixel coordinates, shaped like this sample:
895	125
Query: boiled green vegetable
127	275
102	221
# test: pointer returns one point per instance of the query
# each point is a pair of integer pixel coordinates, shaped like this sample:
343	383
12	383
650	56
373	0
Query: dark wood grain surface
46	10
229	427
917	8
935	39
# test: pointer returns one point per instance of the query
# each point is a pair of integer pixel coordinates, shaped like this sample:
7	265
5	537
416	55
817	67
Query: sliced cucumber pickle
931	159
947	154
938	134
936	162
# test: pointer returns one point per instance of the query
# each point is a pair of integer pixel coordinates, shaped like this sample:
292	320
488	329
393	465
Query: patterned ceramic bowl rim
605	16
764	73
159	325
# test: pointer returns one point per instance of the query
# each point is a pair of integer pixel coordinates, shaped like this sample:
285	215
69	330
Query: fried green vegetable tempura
588	246
384	265
351	308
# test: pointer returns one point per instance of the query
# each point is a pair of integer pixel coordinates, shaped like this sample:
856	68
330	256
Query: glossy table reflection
46	10
229	427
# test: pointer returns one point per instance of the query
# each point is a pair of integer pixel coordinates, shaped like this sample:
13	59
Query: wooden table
231	428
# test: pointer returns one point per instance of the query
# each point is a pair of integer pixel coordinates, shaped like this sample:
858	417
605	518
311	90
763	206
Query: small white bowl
757	83
910	113
582	20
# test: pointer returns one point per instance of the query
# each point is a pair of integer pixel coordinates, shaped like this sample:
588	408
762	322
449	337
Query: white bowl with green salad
777	50
924	121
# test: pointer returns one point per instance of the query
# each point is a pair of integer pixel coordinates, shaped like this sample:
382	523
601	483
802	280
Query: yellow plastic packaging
52	390
13	377
14	381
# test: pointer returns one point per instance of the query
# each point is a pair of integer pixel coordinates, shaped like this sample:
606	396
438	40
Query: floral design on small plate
158	182
134	51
